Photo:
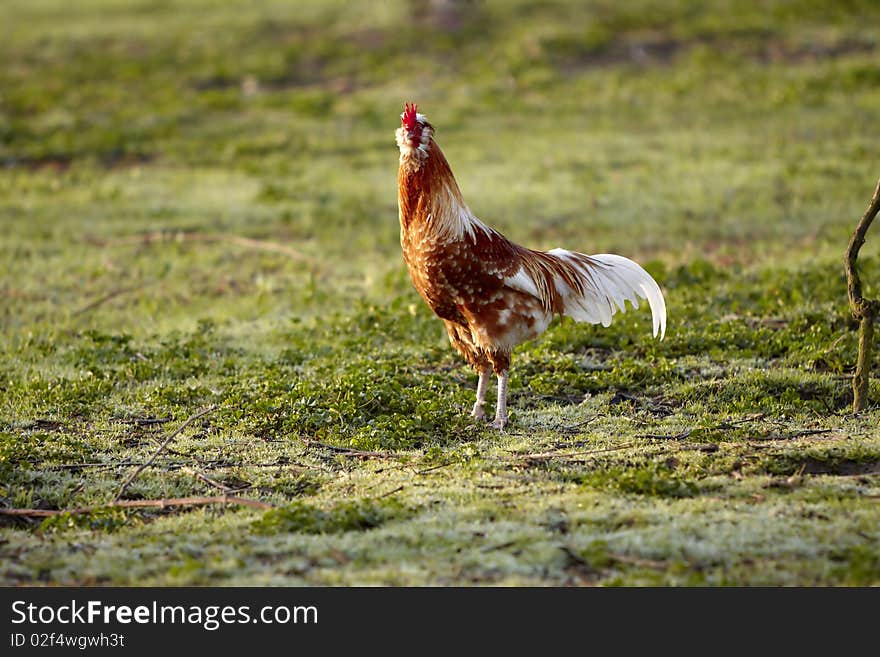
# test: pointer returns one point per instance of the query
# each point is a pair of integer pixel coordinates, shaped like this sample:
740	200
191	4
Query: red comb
408	119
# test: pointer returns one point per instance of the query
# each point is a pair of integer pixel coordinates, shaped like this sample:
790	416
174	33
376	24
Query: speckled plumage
493	294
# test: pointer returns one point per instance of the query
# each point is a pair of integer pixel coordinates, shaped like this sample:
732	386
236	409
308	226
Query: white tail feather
609	281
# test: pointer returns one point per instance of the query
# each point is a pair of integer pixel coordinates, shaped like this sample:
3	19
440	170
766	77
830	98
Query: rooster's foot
499	423
478	413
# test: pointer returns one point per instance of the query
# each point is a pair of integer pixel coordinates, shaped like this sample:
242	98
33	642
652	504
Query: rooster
492	294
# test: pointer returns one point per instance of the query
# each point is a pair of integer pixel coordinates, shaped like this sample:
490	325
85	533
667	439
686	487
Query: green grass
198	207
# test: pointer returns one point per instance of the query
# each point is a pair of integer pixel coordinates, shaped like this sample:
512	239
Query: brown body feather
491	293
461	276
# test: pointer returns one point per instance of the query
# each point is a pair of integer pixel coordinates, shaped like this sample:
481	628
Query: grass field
198	207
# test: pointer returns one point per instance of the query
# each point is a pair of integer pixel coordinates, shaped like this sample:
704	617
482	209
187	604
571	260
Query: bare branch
246	242
135	504
543	456
112	294
162	446
853	282
347	451
863	310
201	476
391	492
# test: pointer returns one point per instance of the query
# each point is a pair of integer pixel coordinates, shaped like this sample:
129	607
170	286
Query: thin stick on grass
543	456
112	294
567	428
579	457
434	467
141	421
137	504
191	236
638	562
347	451
162	446
212	482
84	466
211	465
390	493
863	310
682	435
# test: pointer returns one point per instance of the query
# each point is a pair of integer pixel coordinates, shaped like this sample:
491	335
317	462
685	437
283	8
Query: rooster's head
414	134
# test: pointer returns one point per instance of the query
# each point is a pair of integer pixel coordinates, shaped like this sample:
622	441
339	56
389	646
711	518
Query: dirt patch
843	467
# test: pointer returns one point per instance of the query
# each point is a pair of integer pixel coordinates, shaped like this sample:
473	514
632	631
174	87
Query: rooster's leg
482	386
501	407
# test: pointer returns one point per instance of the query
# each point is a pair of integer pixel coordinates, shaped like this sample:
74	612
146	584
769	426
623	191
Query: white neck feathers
413	157
448	217
451	219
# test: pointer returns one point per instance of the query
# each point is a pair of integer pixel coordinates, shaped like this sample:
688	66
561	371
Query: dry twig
112	294
141	421
192	236
652	450
213	482
433	467
678	436
162	446
390	493
638	562
134	504
543	456
863	310
572	428
347	451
